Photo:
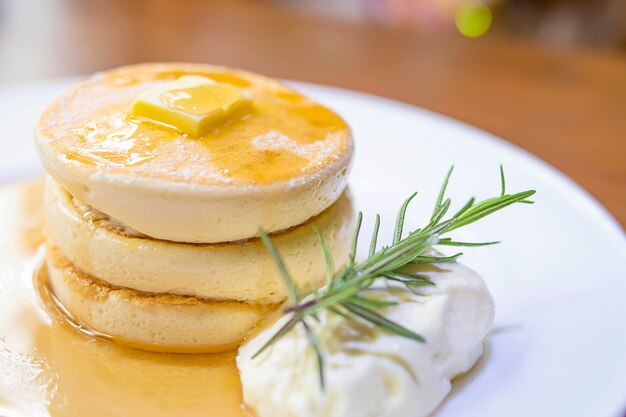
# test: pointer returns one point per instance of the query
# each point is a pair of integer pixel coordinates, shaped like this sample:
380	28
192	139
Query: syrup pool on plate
48	368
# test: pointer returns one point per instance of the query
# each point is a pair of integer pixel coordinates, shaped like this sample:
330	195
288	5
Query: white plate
559	279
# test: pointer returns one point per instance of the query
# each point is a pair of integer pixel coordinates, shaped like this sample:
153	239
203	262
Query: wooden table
567	107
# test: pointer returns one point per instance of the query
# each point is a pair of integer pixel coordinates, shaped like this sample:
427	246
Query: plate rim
489	139
593	208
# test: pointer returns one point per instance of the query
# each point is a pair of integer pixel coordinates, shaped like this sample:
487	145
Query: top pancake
288	148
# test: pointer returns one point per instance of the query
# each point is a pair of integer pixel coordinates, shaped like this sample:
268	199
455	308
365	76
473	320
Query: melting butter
205	99
192	104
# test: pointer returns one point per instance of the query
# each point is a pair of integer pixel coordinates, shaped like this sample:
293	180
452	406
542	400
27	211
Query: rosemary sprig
345	292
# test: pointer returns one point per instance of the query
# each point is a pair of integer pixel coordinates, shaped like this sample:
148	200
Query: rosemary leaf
502	181
282	331
374	235
473	214
370	302
442	190
355	239
328	257
408	279
449	242
292	289
397	234
466	207
315	344
436	259
380	321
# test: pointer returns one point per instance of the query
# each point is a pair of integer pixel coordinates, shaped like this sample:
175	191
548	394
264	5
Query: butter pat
191	104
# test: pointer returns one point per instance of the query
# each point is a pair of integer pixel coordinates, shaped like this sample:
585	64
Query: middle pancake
242	271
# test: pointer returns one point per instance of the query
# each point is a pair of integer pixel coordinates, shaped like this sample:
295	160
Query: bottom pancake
157	322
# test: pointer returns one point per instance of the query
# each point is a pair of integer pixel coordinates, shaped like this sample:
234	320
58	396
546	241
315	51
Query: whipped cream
370	372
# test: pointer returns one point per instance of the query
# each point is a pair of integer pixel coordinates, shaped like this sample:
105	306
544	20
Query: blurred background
547	75
36	36
597	23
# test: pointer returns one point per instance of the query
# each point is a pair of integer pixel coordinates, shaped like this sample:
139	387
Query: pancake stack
161	176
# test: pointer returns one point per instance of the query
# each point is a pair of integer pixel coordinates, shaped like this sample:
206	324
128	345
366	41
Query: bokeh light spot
473	20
